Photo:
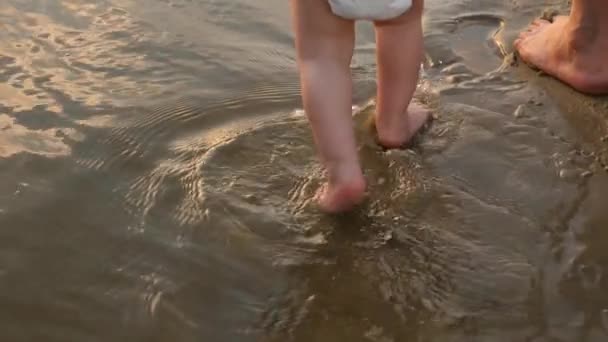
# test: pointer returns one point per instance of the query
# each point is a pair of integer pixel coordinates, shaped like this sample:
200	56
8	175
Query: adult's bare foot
573	52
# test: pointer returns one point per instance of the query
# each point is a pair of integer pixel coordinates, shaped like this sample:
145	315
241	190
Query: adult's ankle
587	20
585	38
580	36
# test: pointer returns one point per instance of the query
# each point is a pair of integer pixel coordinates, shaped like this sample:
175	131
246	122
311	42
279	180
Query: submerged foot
396	131
568	51
342	194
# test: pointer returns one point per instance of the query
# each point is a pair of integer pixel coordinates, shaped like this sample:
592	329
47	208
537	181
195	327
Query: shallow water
156	177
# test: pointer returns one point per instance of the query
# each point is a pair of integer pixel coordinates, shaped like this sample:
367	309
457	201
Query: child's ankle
344	172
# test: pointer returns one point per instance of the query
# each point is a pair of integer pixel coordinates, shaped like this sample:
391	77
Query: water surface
156	175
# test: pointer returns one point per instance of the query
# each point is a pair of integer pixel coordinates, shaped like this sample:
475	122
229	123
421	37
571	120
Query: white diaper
375	10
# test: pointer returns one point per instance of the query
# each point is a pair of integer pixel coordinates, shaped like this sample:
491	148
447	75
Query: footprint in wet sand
474	44
475	41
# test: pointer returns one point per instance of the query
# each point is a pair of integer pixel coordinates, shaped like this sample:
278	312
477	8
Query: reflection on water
157	174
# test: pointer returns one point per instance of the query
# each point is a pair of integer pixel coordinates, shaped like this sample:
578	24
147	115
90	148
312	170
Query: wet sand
156	175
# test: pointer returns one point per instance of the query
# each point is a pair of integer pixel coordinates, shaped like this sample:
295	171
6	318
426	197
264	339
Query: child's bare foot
394	131
342	193
573	52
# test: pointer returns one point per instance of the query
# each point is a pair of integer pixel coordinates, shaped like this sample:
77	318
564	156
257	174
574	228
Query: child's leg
325	44
399	56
